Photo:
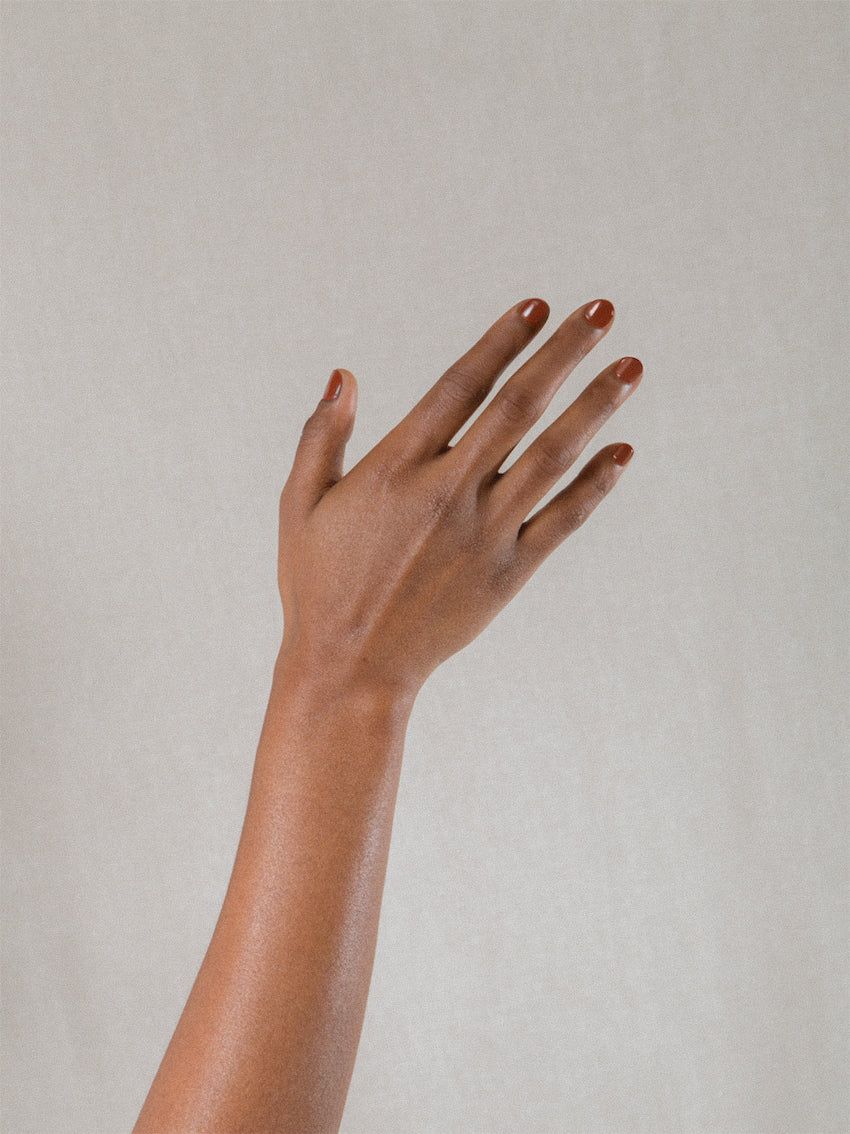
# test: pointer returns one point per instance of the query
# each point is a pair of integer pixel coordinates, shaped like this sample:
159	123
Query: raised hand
389	569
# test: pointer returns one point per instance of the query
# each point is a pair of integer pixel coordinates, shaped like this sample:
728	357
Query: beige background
615	894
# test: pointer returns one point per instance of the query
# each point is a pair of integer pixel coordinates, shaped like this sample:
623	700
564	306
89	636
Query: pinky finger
567	511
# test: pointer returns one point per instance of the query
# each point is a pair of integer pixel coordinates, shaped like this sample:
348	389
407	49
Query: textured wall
614	899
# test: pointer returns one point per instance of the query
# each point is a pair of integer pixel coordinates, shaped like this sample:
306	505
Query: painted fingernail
333	387
535	312
622	454
629	370
599	313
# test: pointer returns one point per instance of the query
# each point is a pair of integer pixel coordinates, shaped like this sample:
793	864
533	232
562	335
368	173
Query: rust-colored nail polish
599	313
629	370
535	312
333	387
622	454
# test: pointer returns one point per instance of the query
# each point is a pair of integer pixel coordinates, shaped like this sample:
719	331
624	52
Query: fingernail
599	313
333	387
535	312
622	454
629	370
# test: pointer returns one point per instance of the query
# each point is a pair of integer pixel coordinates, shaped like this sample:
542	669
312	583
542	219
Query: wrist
322	683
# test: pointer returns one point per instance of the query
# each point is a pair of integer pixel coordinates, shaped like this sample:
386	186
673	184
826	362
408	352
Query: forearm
269	1034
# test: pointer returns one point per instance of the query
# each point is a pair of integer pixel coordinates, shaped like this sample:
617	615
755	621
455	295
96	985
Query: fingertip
533	312
333	387
621	454
599	313
629	370
341	387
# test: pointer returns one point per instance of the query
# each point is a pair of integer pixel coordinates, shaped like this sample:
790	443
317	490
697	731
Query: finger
525	396
435	419
541	534
557	448
319	456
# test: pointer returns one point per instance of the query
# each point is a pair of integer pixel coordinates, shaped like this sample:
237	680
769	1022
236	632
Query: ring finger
524	397
549	456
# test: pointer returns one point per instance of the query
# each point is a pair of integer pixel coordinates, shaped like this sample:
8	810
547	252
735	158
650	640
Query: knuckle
593	493
463	382
444	500
575	514
311	428
387	464
550	459
290	498
450	498
598	485
504	575
440	500
519	406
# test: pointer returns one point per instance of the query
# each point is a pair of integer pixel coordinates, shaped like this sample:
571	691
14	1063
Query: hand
388	570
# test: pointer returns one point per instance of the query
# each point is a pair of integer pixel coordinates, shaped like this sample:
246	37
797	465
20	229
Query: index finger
429	427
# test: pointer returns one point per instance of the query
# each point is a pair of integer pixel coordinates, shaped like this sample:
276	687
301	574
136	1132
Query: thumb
319	456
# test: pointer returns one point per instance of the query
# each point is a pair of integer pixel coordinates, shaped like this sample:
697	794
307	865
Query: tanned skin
384	572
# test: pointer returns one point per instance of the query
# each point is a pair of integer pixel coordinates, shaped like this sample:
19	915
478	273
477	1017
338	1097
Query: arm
384	573
268	1036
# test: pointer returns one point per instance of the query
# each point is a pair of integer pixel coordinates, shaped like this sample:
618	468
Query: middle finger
524	397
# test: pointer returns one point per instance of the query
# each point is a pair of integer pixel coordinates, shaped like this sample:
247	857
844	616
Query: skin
384	572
